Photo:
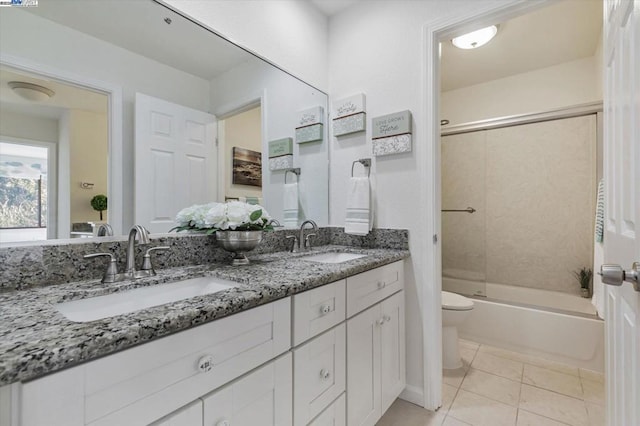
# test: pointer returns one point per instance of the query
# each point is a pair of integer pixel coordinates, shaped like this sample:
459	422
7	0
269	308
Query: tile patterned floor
496	387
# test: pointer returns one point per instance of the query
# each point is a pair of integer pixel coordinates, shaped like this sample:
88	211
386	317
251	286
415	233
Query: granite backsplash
29	266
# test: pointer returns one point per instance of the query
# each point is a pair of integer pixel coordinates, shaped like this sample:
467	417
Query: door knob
615	275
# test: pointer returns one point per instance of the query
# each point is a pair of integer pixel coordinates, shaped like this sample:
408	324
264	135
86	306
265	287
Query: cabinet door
318	374
191	415
263	397
334	415
392	349
363	368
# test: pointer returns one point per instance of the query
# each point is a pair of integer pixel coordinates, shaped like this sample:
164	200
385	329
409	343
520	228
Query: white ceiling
566	31
332	7
139	26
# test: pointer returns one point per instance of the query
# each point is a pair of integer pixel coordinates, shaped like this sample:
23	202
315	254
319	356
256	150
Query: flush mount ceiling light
30	91
476	38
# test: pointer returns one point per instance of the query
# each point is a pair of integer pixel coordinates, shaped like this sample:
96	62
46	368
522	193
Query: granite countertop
36	339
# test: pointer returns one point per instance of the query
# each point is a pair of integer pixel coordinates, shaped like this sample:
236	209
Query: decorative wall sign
349	115
348	106
350	124
310	125
247	167
281	154
310	116
392	133
310	133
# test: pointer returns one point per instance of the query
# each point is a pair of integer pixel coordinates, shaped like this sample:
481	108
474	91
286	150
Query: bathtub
552	325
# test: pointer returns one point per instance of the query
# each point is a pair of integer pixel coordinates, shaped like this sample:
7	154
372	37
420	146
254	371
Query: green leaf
255	215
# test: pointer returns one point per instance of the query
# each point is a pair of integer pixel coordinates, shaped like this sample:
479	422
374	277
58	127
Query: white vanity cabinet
262	397
191	415
375	350
333	355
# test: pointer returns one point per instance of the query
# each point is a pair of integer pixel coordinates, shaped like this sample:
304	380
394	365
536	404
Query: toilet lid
456	302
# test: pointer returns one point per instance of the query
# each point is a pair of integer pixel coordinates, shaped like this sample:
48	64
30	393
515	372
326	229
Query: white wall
290	33
567	84
282	97
377	48
89	144
23	35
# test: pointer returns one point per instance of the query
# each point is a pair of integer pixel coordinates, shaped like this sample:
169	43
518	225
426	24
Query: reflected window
23	191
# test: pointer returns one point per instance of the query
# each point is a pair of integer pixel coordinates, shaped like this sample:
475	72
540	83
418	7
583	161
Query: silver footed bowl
239	242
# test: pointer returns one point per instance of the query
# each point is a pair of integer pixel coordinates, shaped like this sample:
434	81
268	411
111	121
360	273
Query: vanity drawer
368	288
319	374
318	310
333	415
138	385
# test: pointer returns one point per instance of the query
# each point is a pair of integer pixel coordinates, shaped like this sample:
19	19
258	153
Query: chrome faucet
104	230
304	243
143	238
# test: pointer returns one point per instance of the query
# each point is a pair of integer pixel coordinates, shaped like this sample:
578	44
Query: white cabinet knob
205	364
325	309
223	423
381	285
387	318
380	321
324	373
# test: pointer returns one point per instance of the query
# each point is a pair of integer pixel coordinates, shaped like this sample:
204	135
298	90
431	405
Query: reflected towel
359	212
598	253
290	207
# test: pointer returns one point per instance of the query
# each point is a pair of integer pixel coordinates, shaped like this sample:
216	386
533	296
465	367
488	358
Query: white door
175	161
622	212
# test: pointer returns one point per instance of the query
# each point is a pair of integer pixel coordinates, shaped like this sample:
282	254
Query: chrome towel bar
366	162
467	210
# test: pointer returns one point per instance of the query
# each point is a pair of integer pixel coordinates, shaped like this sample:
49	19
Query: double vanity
308	338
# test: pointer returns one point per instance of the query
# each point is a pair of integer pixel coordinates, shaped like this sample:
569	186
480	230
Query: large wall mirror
133	101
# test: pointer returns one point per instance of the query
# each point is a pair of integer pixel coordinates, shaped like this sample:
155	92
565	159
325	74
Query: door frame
429	176
115	144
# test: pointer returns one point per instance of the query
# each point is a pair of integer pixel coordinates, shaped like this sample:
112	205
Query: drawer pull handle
324	373
205	364
223	423
325	309
381	285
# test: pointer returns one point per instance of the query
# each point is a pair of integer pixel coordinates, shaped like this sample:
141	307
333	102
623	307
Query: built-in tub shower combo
518	202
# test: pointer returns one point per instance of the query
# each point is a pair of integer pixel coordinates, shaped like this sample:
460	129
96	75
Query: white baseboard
413	394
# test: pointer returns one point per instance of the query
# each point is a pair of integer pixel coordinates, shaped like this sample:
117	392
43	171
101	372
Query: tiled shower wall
534	189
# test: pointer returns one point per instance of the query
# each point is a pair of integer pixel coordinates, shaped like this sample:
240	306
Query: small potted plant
99	203
584	276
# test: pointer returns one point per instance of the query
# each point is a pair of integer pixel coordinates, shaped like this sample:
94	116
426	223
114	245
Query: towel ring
295	171
366	162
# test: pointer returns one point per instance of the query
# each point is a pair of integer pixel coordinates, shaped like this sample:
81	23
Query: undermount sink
110	305
333	257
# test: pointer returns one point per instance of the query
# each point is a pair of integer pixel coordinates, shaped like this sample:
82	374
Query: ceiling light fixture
476	38
30	91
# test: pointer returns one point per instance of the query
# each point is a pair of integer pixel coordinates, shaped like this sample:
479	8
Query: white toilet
455	309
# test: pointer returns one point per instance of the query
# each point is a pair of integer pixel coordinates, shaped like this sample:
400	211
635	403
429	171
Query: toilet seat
456	302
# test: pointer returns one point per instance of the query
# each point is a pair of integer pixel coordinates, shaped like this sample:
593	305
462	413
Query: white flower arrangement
213	217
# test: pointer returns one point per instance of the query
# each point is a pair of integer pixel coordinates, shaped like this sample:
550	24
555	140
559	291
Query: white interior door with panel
175	161
622	210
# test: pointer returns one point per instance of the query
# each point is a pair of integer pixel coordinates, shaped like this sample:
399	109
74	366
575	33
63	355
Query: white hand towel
290	206
359	212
